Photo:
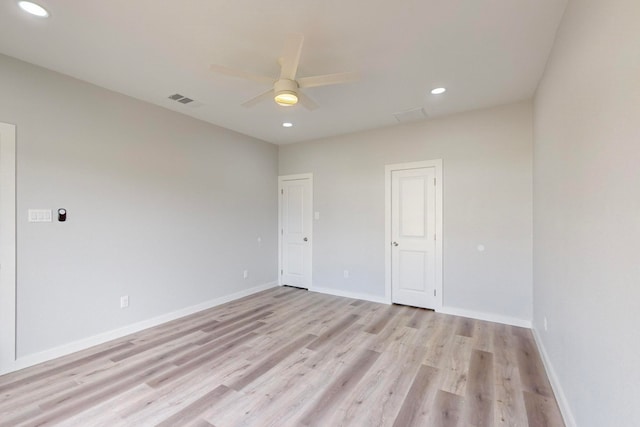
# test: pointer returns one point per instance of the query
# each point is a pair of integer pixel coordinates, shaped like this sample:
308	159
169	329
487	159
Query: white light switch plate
39	215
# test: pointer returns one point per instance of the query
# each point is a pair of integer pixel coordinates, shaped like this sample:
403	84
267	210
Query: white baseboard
489	317
563	403
347	294
63	350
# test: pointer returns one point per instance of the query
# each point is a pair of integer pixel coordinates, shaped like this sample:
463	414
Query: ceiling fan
286	89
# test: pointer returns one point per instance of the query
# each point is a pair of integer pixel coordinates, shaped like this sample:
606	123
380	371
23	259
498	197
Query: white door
295	230
7	247
413	237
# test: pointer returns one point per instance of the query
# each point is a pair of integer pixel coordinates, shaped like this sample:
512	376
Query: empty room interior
295	213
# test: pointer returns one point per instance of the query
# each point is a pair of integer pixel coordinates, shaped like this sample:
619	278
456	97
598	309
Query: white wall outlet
259	241
546	327
316	215
124	301
245	274
346	274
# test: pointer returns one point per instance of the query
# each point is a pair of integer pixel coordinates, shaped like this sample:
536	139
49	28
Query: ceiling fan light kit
286	92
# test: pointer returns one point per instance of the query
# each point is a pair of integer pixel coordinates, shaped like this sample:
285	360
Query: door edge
8	323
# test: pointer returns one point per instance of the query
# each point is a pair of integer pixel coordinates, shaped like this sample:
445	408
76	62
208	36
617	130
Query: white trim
85	343
7	245
282	178
437	165
561	398
489	317
346	294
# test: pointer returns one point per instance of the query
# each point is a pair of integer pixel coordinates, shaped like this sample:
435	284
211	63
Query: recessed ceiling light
34	9
438	91
287	124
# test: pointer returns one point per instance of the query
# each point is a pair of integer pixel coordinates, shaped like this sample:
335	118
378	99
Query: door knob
305	239
395	243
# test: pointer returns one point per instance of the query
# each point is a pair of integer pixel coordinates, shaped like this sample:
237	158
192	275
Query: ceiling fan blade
328	79
220	69
291	56
306	102
253	101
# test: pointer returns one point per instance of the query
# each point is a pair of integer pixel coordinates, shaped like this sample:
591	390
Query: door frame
294	177
7	247
388	169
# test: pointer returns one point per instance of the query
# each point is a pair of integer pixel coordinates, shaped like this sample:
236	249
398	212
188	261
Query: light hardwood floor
288	357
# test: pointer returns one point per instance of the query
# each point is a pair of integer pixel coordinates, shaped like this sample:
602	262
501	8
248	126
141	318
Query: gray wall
487	157
161	207
587	211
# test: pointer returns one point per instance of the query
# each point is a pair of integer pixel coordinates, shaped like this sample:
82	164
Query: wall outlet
346	274
245	274
124	301
546	327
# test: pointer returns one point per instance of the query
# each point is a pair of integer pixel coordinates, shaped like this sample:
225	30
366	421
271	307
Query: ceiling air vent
410	115
184	100
180	98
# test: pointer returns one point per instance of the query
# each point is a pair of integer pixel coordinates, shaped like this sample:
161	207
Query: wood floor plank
466	327
273	399
439	341
218	342
242	318
416	406
207	358
395	332
336	329
104	413
510	409
181	392
447	410
532	374
455	368
479	402
82	402
542	411
195	409
419	318
338	387
6	386
392	376
383	319
270	361
289	357
483	336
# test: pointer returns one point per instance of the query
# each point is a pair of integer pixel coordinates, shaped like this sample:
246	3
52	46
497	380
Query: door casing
437	165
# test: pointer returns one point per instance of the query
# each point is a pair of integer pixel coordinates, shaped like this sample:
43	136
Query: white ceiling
486	52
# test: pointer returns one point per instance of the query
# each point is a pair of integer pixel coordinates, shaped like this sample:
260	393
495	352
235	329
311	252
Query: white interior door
7	247
413	237
295	230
